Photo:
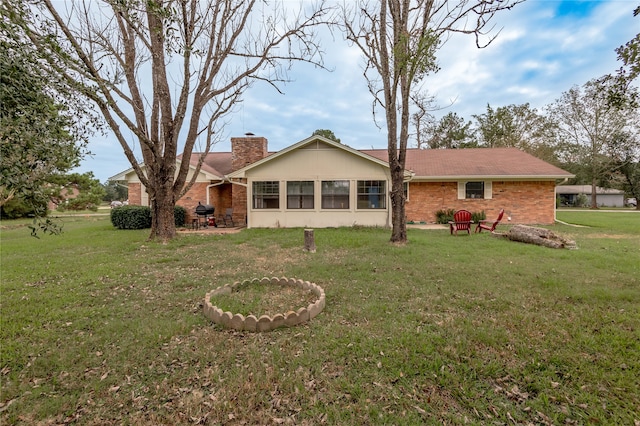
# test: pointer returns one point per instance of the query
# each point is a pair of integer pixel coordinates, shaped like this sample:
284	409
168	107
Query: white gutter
211	186
246	185
555	193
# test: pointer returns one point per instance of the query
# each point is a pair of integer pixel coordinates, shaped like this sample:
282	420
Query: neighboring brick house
321	183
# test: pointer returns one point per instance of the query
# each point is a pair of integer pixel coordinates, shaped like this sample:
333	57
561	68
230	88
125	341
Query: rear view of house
319	183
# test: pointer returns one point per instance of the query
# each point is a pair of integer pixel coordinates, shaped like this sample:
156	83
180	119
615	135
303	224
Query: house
321	183
570	195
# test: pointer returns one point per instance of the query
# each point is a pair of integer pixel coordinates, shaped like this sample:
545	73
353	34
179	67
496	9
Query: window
335	194
300	194
372	194
474	190
266	195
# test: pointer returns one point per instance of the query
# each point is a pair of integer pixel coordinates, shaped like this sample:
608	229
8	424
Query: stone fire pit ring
265	322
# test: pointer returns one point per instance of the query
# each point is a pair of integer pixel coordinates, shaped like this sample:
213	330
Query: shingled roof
495	163
439	164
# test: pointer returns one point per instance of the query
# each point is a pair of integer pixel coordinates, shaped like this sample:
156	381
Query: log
539	236
309	241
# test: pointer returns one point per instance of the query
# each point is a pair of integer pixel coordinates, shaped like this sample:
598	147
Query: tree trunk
538	236
398	219
594	198
163	225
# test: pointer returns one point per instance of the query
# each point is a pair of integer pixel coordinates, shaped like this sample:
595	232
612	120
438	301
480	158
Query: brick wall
135	194
524	202
244	151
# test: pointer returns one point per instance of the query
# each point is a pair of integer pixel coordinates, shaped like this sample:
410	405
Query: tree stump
309	241
538	236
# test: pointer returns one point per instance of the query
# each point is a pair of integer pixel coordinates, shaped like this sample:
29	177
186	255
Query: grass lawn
100	327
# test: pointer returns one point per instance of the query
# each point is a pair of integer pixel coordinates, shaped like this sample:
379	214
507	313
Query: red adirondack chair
484	224
461	222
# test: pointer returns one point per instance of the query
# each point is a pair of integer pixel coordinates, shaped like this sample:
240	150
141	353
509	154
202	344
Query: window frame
365	194
258	193
329	201
300	196
487	192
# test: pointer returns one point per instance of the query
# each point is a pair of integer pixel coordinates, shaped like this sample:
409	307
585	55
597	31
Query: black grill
205	210
205	217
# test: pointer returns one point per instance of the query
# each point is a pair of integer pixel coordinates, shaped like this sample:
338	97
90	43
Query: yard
101	327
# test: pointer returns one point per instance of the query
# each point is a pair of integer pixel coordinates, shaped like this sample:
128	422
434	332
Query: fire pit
265	322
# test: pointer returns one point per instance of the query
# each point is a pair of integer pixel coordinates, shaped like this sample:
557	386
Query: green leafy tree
35	141
399	40
587	128
76	191
115	191
619	90
327	134
169	72
626	154
451	131
518	126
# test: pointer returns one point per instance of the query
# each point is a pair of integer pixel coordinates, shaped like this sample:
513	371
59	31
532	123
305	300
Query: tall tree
76	191
625	149
451	131
43	126
165	73
620	92
518	126
399	40
588	127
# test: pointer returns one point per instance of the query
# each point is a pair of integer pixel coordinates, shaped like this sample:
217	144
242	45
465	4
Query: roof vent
249	134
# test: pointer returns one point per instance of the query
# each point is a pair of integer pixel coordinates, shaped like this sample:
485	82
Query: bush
18	207
478	216
139	217
131	217
446	215
180	215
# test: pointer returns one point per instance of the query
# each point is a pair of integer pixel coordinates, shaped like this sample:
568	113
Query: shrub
444	216
180	215
139	217
478	216
131	217
582	200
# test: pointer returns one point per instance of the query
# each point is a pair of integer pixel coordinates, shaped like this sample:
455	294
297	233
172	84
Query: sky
544	47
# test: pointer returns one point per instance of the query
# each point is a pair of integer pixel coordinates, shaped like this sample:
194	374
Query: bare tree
165	73
399	40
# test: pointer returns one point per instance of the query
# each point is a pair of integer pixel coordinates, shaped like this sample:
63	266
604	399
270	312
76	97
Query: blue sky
544	48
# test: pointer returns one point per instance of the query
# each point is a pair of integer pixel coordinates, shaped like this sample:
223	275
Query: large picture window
300	194
372	194
474	190
266	195
335	194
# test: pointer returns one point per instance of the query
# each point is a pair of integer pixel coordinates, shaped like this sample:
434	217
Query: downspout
555	197
211	186
246	185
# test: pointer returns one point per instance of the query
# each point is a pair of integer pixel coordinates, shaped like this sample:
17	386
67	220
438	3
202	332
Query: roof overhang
490	177
122	176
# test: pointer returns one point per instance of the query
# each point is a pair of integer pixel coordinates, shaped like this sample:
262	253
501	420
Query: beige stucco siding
317	165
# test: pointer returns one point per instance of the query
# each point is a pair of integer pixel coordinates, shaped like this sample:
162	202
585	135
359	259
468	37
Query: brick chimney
244	151
247	150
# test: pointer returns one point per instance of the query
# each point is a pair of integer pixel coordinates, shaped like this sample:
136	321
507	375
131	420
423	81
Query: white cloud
538	54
